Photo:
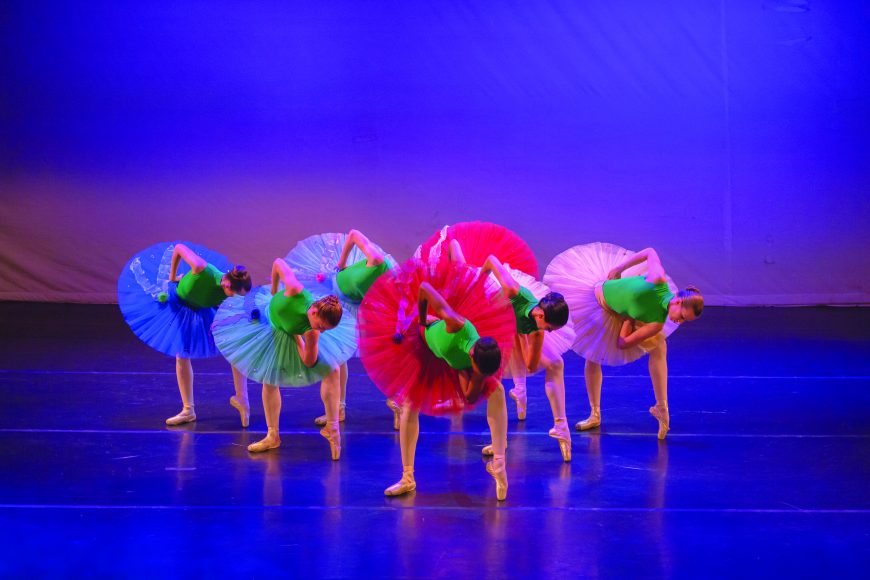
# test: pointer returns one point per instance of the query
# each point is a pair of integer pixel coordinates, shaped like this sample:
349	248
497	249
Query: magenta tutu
478	241
394	352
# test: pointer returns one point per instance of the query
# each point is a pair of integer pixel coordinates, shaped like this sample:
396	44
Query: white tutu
314	261
574	273
556	342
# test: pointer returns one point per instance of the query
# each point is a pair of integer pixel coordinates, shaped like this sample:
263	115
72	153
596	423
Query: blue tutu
314	261
269	355
154	312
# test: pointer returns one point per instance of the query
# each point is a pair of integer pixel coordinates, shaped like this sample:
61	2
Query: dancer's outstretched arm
471	385
281	272
428	295
628	339
536	347
374	257
306	346
505	280
655	271
182	252
455	252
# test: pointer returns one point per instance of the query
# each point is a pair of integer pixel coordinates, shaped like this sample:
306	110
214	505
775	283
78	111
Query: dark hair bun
397	338
239	279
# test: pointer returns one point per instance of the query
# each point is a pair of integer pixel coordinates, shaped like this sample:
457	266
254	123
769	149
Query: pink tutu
478	241
407	371
575	273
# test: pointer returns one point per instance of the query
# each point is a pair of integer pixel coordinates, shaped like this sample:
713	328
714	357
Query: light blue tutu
154	312
314	261
269	355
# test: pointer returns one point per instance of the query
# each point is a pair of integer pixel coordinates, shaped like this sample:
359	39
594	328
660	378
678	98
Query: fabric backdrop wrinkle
731	135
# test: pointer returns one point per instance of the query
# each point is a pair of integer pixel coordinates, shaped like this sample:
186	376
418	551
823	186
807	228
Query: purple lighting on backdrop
730	135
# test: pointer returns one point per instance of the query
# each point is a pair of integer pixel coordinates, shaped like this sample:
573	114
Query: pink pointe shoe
591	422
522	402
496	469
561	434
244	409
187	415
271	441
663	417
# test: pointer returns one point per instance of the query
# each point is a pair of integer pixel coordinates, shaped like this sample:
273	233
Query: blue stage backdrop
731	135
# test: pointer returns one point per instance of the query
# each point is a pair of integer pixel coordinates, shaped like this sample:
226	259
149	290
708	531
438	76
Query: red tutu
478	241
405	369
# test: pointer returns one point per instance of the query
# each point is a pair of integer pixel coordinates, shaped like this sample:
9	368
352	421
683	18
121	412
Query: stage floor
765	473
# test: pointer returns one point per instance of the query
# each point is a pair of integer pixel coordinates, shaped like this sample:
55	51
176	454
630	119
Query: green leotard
354	281
638	299
290	313
202	290
452	347
523	303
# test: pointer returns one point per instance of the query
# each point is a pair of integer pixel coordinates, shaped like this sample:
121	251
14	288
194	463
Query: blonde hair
329	309
691	297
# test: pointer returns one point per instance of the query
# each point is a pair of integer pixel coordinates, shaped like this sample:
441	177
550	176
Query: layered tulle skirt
396	355
575	273
314	261
154	312
265	354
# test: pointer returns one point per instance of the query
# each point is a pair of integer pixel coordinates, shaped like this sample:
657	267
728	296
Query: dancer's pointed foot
591	422
321	421
187	415
661	414
271	441
397	413
561	434
519	395
402	486
333	435
488	450
496	469
244	409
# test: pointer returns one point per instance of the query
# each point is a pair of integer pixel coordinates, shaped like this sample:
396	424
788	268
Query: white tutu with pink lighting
575	273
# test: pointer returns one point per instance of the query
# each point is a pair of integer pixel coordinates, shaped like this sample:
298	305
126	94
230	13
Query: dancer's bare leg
240	400
592	373
330	394
341	407
397	413
184	374
496	416
409	432
554	383
518	393
658	373
518	374
272	410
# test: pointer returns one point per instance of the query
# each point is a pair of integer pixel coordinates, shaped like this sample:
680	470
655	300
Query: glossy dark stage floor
766	472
